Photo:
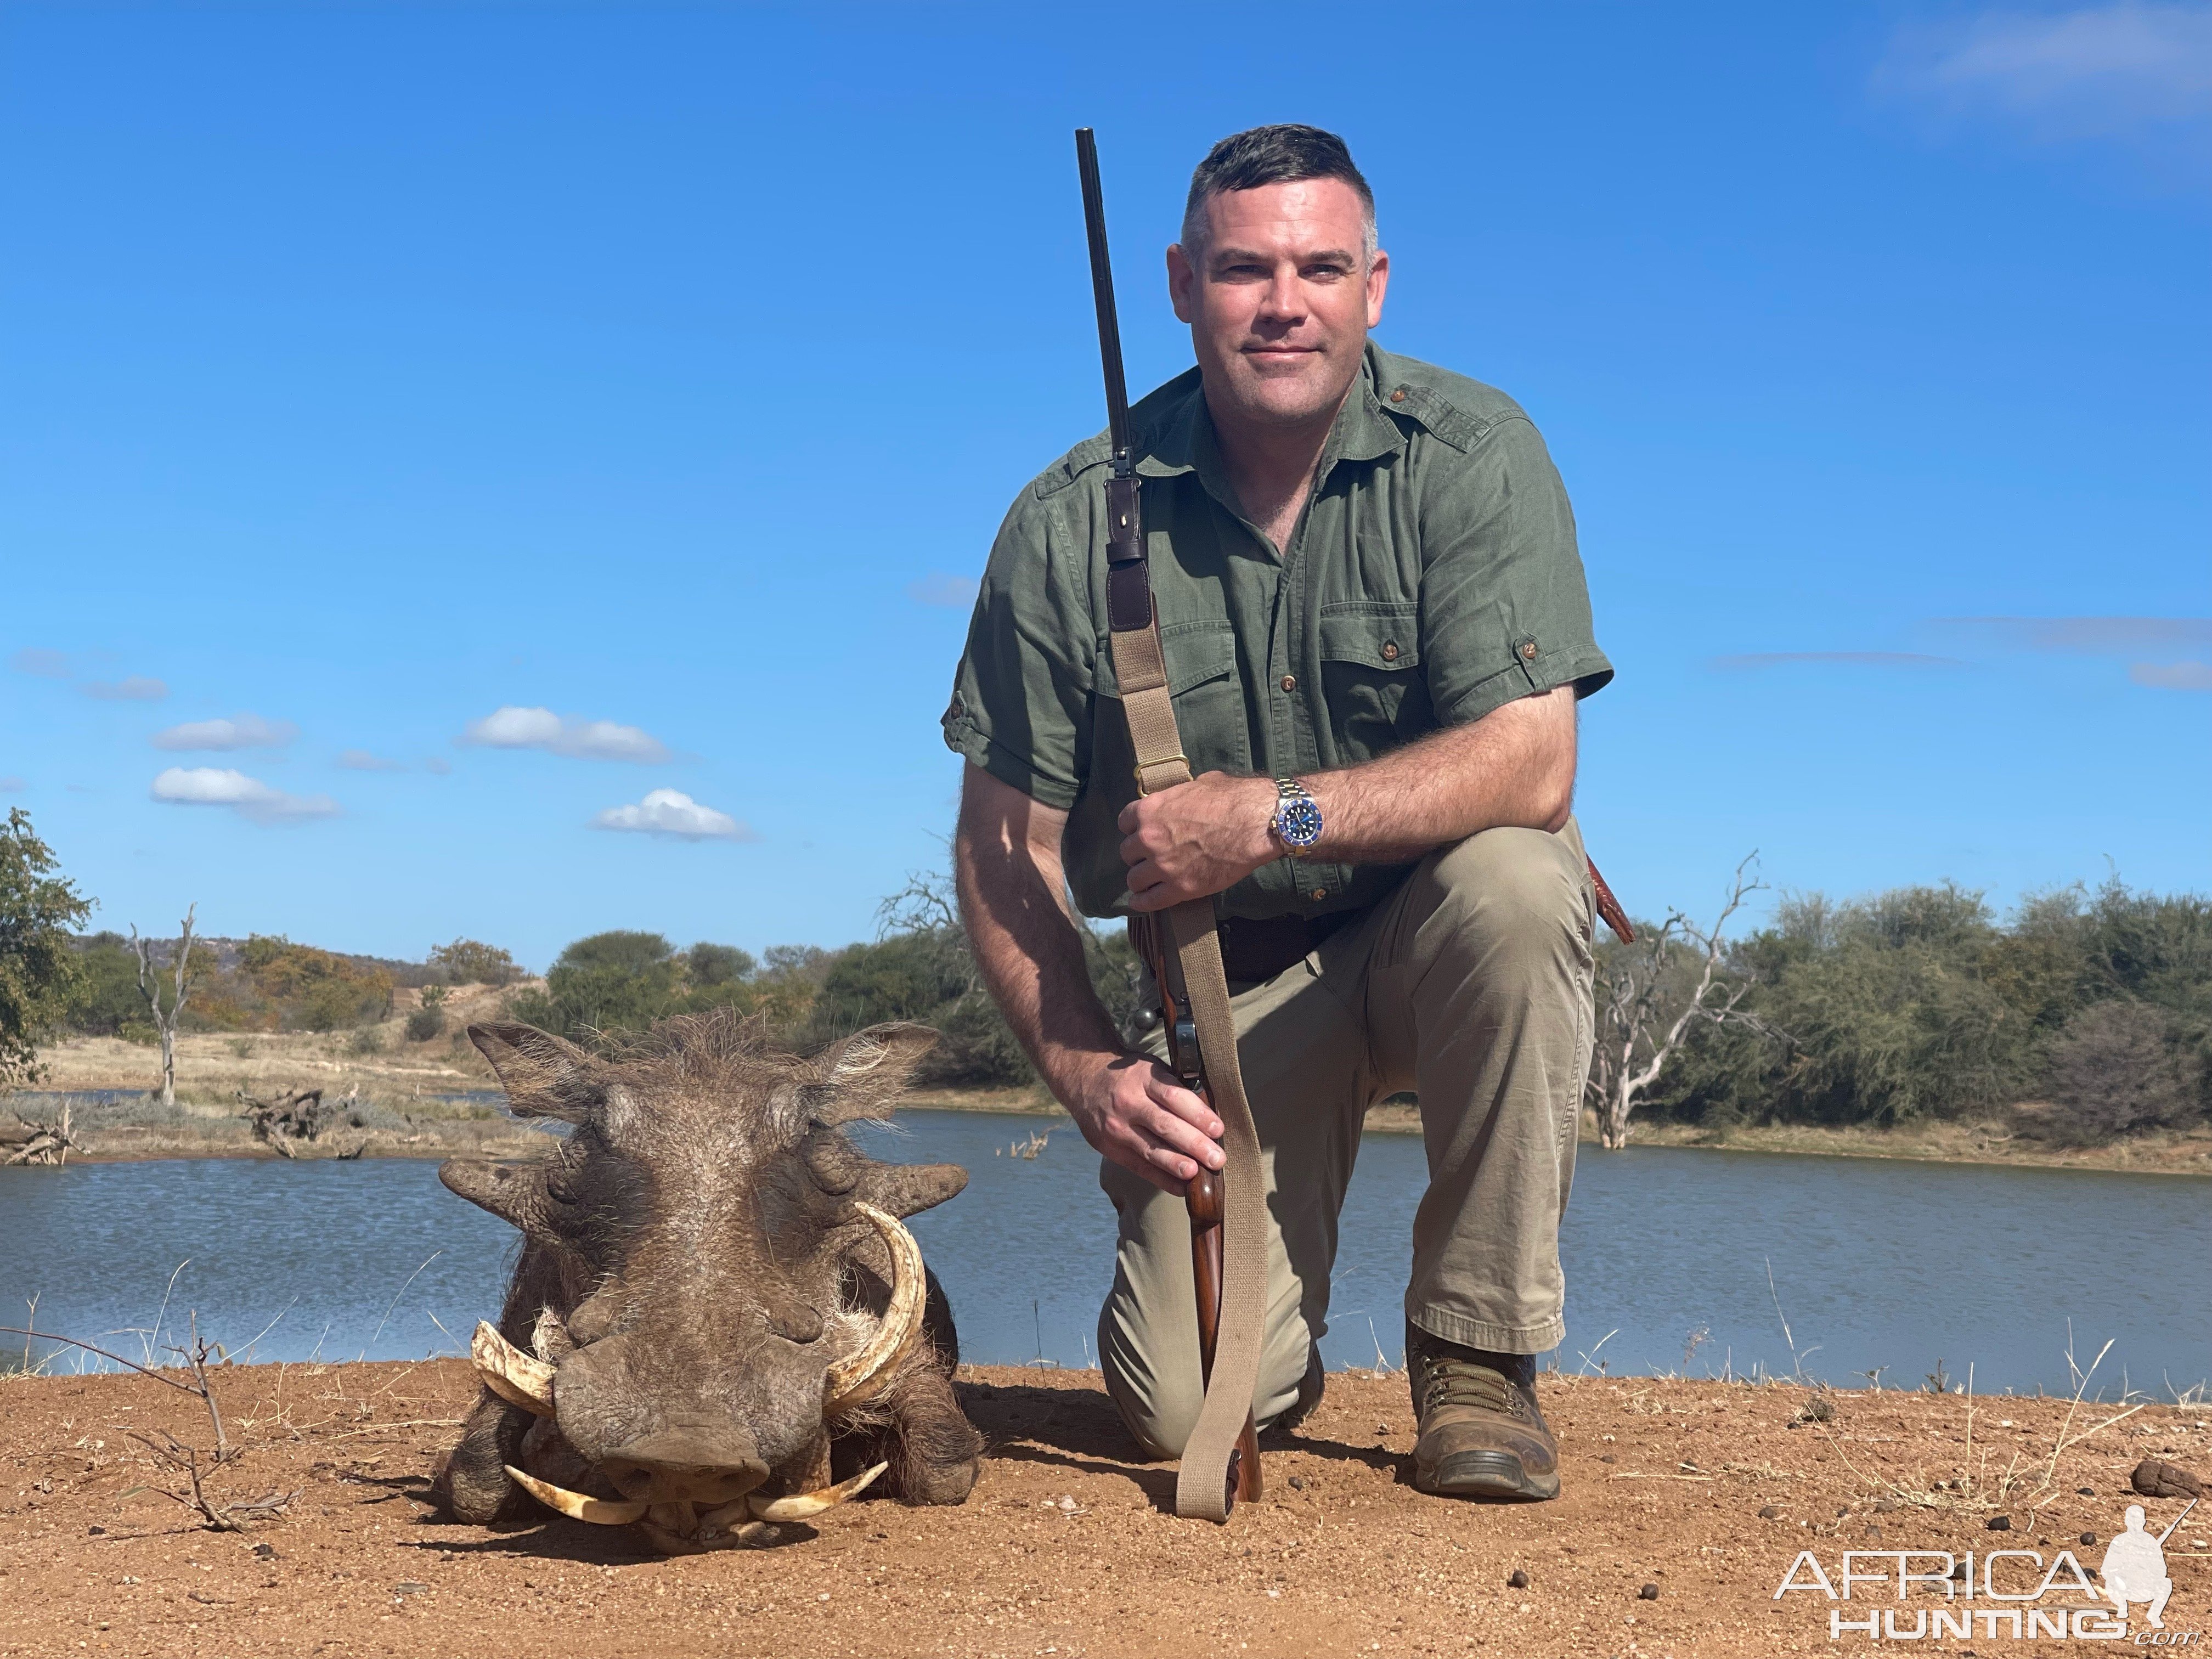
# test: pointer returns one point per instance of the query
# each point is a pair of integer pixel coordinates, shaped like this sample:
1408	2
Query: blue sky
659	376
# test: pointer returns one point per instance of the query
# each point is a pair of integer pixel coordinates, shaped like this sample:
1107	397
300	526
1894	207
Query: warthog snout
688	1463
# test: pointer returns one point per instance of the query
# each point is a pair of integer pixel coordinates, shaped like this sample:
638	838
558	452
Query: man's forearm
1025	944
1513	768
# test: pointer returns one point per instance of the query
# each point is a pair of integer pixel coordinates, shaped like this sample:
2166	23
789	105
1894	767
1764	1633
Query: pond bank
438	1099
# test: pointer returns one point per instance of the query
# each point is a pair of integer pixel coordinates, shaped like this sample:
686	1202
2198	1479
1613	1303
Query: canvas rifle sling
1203	1486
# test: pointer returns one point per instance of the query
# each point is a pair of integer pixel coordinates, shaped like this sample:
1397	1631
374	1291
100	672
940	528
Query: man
1370	604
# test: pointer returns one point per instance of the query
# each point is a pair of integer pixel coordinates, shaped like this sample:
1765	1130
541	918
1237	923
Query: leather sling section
1202	1486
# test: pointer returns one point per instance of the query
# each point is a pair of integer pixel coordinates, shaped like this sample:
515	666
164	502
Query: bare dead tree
1643	1010
150	986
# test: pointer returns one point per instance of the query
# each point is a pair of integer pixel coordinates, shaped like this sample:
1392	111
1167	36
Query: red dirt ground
1064	1548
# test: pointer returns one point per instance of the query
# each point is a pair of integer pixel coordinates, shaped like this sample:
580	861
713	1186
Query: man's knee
1514	899
1160	1404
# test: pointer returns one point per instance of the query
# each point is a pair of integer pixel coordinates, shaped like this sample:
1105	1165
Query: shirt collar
1183	439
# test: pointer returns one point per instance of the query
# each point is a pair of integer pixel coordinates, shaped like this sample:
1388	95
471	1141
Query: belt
1257	948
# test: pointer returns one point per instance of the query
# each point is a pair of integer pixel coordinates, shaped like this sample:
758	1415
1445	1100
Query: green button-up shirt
1432	576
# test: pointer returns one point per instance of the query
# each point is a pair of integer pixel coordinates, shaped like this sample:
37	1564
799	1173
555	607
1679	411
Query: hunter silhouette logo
2011	1594
2135	1567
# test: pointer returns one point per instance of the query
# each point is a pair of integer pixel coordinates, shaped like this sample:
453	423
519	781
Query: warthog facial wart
719	1321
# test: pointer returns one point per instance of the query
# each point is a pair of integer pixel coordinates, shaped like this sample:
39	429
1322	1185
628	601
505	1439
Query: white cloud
48	665
132	688
2172	675
246	732
2090	72
217	786
512	727
672	812
937	588
361	760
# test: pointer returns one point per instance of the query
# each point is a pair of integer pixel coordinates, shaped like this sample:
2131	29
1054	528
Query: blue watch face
1298	823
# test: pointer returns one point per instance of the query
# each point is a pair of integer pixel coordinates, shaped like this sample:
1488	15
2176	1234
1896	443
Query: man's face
1277	301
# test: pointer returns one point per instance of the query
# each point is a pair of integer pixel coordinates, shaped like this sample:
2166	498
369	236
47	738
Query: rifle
1129	615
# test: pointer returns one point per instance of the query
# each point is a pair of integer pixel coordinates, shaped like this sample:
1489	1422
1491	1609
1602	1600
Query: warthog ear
906	1190
543	1075
870	1068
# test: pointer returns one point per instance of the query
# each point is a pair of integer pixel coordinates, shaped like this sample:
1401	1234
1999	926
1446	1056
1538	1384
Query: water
1875	1264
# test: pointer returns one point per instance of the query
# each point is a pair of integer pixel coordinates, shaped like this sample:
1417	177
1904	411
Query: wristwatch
1297	823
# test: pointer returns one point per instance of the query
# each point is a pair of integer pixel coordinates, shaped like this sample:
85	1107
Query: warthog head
715	1291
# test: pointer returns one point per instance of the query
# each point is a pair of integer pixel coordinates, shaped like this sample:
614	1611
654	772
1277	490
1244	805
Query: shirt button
1321	892
1528	650
1399	396
1390	650
1290	681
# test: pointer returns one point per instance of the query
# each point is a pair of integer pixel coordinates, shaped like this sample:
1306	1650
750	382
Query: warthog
718	1322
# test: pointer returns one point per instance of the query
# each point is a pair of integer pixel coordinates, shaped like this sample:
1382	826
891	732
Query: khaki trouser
1470	984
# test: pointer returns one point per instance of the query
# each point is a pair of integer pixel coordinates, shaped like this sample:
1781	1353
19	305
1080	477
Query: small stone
2087	1491
2088	1537
1884	1505
1768	1511
409	1587
1518	1581
266	1552
1649	1593
95	1531
1999	1523
1606	1457
1844	1511
1298	1483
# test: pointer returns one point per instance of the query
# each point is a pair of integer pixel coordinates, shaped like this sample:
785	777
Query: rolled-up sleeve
1021	698
1505	608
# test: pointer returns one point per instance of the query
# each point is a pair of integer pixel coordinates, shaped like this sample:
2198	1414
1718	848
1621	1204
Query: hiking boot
1481	1435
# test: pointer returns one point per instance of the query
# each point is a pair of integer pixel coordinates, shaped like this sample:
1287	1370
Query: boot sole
1494	1474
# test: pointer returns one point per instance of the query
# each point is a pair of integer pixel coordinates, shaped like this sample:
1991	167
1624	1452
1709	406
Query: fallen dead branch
194	1466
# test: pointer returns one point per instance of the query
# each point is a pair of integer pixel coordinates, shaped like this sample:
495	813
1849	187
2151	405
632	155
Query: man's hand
1135	1112
1197	839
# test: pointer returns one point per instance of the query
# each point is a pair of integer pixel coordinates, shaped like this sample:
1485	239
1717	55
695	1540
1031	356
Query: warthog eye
795	1321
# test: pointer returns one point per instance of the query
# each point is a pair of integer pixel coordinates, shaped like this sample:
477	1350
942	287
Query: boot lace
1457	1382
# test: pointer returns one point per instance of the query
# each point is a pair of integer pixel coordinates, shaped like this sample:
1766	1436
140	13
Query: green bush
425	1023
1917	1003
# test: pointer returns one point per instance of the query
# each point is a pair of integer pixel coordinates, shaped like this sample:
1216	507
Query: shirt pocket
1371	651
1207	692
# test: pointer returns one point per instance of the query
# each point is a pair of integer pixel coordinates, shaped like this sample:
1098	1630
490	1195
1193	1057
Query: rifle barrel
1101	293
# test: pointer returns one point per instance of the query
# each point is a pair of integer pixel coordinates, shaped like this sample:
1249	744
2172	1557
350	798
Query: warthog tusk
856	1380
511	1374
803	1504
600	1511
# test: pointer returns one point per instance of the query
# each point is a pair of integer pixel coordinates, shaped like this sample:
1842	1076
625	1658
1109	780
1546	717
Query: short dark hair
1279	154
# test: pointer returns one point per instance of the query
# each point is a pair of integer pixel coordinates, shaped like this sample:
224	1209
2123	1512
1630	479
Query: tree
471	961
318	990
180	986
105	1001
1672	977
38	910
